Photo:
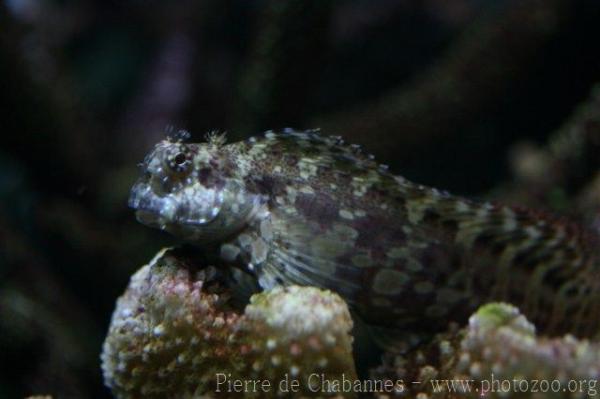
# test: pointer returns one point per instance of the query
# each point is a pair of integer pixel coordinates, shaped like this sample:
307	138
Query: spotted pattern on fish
302	208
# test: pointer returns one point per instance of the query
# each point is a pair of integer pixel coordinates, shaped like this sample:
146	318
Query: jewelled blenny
303	208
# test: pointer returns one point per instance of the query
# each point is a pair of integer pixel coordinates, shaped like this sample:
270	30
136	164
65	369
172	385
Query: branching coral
278	64
497	356
174	333
493	51
567	163
588	203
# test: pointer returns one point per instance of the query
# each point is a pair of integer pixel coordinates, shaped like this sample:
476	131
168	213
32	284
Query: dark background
448	93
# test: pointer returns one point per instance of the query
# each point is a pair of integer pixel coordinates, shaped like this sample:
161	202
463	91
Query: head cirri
188	188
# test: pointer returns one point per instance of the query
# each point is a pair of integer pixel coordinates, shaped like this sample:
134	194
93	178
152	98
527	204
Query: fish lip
136	195
132	203
141	199
193	224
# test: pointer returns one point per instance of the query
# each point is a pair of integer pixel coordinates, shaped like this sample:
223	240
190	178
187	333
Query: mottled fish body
302	208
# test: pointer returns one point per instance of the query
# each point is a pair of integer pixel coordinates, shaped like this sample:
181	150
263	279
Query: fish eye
180	159
178	162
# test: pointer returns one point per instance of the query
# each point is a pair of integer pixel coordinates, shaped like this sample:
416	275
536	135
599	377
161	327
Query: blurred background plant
480	97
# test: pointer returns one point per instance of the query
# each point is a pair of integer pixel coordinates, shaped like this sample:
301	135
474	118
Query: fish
303	208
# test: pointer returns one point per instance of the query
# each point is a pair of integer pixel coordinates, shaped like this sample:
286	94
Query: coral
82	98
564	167
588	204
492	52
175	333
498	355
278	65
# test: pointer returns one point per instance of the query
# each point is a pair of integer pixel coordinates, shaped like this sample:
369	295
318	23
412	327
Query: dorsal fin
333	144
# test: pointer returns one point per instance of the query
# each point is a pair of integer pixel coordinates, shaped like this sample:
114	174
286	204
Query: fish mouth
141	198
162	211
